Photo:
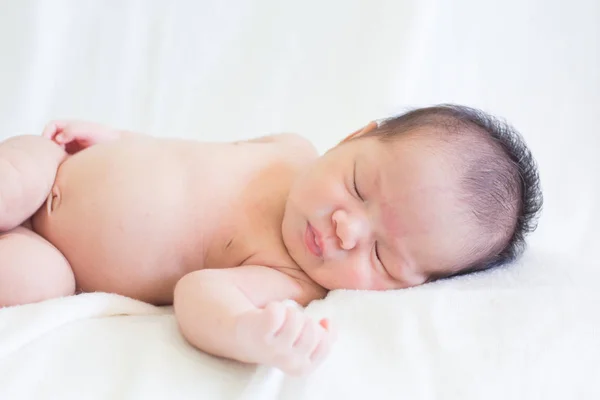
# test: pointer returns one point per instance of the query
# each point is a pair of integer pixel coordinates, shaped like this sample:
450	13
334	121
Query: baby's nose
348	228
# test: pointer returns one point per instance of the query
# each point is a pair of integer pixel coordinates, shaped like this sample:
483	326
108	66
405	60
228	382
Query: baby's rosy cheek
359	278
370	278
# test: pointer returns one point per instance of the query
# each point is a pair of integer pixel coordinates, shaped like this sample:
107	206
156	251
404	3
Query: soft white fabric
437	341
226	70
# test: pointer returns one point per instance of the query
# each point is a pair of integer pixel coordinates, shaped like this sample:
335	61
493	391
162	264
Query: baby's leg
31	269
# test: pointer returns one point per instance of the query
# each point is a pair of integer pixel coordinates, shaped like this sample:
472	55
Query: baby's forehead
416	155
403	172
417	182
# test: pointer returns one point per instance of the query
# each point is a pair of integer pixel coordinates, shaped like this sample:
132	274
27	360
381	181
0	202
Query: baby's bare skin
179	206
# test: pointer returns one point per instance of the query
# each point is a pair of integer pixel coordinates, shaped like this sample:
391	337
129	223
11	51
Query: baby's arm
28	166
239	313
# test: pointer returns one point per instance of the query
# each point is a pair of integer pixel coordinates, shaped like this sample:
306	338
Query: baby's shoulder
289	145
298	145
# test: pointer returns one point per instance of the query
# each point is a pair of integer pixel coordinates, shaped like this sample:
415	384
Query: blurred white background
225	70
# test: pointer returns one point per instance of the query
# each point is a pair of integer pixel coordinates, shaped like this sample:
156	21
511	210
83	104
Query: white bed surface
443	342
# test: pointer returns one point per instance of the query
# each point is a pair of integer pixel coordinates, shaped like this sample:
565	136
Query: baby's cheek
360	278
371	279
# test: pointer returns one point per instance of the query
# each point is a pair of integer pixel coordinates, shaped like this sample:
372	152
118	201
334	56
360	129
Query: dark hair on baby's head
500	181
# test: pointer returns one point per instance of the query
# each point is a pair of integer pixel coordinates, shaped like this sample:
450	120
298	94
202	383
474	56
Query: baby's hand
284	337
75	136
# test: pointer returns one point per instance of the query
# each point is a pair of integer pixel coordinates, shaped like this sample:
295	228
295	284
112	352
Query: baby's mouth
311	239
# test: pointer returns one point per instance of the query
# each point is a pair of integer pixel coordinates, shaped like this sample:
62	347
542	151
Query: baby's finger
293	325
52	128
323	348
275	315
63	137
308	339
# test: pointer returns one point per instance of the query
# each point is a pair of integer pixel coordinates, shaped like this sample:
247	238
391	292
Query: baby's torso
132	217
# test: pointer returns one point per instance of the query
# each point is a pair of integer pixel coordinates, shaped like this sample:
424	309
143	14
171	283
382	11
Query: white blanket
229	70
460	340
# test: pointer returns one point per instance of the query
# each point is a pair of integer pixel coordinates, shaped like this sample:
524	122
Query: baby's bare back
132	217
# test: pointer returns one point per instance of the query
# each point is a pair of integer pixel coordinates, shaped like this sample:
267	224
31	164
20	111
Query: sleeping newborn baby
228	232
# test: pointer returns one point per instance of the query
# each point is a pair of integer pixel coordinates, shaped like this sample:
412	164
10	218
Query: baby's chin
321	277
332	277
325	284
313	274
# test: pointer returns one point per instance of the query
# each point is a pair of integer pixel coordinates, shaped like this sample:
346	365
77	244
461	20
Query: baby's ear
368	128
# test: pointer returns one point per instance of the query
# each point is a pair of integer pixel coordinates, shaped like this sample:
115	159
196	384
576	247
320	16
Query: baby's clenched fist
285	337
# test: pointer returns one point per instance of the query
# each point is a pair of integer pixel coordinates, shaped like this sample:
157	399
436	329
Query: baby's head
433	193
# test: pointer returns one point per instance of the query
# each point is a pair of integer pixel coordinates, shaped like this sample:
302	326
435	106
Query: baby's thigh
31	269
